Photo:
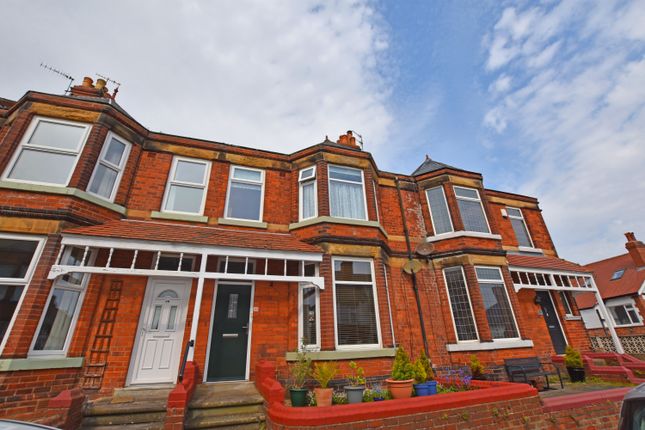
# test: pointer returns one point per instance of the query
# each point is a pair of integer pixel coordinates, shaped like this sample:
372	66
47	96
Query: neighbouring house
621	281
124	251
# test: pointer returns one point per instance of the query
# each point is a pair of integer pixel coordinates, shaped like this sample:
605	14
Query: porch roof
549	273
544	262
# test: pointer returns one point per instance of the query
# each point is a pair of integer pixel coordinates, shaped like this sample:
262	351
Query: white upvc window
471	210
19	255
499	312
625	315
357	324
245	197
439	211
460	305
56	327
187	186
307	191
48	152
309	312
347	192
568	310
376	205
107	174
519	227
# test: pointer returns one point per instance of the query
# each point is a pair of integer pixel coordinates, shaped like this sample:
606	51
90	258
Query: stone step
226	421
107	407
227	410
125	419
141	426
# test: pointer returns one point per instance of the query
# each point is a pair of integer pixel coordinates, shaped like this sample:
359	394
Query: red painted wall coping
183	391
578	400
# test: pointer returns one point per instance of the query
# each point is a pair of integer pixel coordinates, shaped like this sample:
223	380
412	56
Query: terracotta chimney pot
88	82
100	84
636	249
347	139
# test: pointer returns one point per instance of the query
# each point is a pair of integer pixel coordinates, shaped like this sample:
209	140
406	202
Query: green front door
229	340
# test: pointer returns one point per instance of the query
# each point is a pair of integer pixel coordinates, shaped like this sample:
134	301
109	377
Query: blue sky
544	98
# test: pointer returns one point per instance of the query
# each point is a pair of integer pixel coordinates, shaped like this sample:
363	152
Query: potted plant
573	362
430	381
323	373
420	387
378	393
400	383
299	371
356	383
476	368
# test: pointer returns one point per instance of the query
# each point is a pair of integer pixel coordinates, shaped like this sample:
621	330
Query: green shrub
419	372
300	369
402	369
324	372
476	367
427	366
572	357
356	377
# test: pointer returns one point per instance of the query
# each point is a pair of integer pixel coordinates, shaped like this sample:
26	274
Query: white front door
161	331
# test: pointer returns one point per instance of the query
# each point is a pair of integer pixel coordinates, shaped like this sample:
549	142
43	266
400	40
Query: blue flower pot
421	389
432	387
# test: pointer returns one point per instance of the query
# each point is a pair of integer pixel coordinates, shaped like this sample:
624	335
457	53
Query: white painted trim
463	233
478	199
301	183
508	298
120	168
316	346
470	305
487	346
526	227
376	205
641	290
329	180
25	281
210	332
28	134
171	181
445	200
377	315
245	181
531	250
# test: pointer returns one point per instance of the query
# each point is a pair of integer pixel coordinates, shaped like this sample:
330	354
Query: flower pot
323	396
298	396
421	389
432	387
354	393
400	389
576	374
379	399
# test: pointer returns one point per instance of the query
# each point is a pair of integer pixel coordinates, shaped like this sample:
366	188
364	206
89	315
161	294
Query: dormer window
307	193
471	210
48	152
519	227
347	193
109	168
617	274
439	213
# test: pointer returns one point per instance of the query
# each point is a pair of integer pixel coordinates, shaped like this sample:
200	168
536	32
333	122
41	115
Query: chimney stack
348	139
87	89
636	249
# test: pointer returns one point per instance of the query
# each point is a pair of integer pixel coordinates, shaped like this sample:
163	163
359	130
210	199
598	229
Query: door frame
145	303
212	320
555	311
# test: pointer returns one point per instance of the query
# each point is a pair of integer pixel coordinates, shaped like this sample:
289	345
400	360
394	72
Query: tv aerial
108	79
60	73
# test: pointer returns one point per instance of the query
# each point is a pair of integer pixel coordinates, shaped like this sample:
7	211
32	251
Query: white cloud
580	118
275	75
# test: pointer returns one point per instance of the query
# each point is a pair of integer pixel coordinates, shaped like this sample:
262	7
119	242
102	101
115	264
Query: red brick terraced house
621	281
123	249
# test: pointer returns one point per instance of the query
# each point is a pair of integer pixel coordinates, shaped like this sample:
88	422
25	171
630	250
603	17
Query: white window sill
628	325
346	354
572	317
531	250
463	233
242	222
179	216
487	346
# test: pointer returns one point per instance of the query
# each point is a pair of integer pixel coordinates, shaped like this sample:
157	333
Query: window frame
508	298
329	180
625	305
120	169
470	305
301	287
301	183
376	205
566	304
445	199
526	226
379	336
478	199
24	281
28	134
170	181
245	181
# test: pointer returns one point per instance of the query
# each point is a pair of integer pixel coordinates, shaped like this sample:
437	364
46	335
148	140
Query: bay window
439	213
499	313
347	193
307	193
187	184
471	210
18	257
519	227
48	152
109	168
245	194
356	308
460	305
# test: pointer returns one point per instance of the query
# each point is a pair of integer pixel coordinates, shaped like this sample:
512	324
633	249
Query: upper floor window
499	313
460	305
245	194
519	227
439	213
307	192
187	184
346	193
471	210
109	169
624	314
48	152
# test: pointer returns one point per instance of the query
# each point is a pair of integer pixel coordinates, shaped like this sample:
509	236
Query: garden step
227	410
141	426
226	421
125	419
105	408
225	395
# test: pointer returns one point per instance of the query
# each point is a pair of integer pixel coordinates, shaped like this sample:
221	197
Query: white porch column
198	305
608	320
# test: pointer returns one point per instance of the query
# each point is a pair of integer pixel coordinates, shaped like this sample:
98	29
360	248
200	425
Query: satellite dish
425	248
412	266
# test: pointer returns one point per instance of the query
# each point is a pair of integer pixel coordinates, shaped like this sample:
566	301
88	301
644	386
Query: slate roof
188	234
628	284
430	165
545	262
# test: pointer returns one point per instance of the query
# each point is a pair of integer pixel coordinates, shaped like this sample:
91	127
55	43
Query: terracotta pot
400	389
323	396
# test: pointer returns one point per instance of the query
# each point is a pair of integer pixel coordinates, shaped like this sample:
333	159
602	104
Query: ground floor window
18	257
357	324
625	314
499	313
460	306
566	303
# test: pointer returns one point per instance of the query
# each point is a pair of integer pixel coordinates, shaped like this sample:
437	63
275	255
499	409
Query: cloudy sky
544	98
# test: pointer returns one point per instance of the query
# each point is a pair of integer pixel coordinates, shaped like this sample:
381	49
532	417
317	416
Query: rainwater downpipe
412	275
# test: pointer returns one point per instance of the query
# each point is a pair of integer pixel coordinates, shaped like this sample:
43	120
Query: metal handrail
182	369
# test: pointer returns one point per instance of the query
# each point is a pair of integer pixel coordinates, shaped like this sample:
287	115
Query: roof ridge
608	258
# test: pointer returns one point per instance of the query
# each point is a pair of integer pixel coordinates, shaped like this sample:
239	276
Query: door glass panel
309	316
155	318
232	306
171	317
168	294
